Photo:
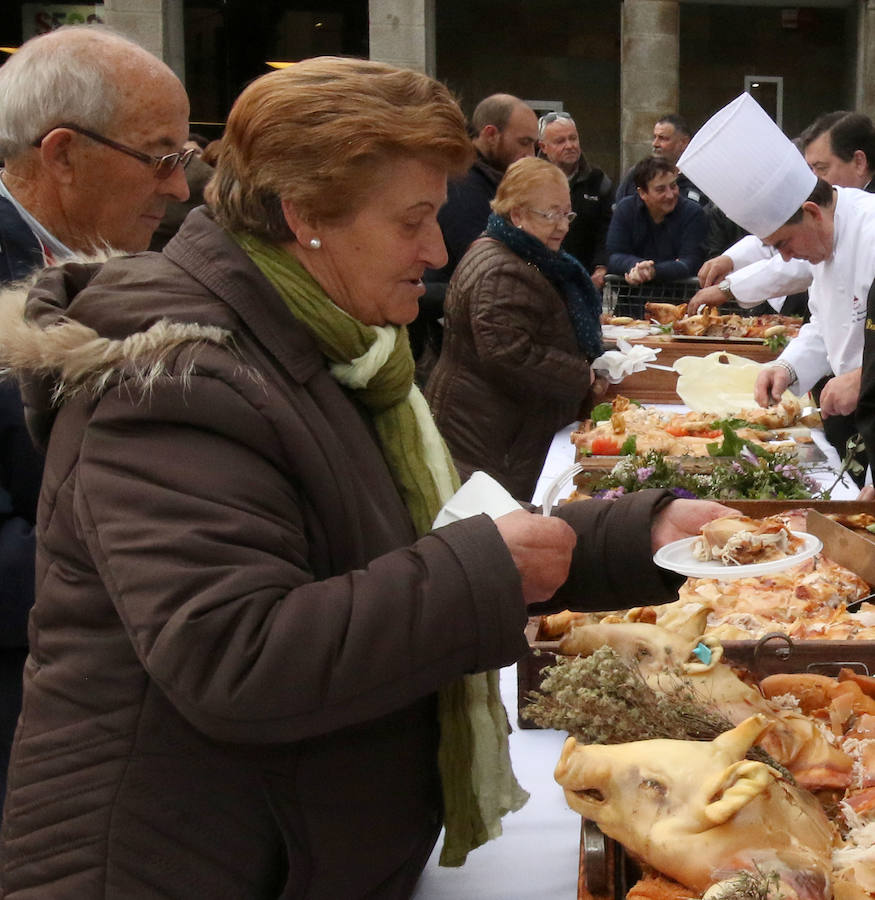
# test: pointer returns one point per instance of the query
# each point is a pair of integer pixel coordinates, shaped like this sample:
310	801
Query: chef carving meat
770	191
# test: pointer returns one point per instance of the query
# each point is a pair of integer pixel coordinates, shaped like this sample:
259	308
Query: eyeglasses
162	166
554	215
549	117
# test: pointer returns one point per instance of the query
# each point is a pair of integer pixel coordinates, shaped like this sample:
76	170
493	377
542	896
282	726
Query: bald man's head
505	128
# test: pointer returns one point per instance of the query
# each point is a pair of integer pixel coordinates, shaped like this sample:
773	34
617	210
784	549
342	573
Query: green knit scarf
375	363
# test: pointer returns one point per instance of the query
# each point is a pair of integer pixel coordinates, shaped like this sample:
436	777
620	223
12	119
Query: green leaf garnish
602	412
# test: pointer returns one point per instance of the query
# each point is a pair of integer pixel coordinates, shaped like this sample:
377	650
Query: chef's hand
709	296
770	385
598	276
868	493
683	519
714	270
541	547
840	394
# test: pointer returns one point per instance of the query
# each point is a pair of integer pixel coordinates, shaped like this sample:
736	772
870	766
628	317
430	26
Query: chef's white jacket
833	340
760	273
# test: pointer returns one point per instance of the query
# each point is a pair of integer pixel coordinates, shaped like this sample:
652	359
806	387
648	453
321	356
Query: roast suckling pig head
699	812
664	656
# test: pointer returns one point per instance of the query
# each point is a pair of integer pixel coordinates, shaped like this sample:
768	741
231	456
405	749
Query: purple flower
683	493
737	467
748	454
612	494
645	472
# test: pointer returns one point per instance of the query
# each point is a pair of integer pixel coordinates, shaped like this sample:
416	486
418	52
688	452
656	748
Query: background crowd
238	657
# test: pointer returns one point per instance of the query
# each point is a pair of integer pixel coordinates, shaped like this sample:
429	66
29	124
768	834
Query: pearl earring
315	243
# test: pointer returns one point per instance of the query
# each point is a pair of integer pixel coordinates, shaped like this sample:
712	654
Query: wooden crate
657	386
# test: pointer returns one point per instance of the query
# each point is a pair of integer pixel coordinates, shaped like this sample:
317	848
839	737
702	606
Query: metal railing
619	298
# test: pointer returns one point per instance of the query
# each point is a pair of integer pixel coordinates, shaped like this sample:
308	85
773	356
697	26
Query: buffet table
561	456
538	854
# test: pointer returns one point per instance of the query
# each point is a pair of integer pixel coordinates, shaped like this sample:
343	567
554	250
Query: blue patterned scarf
565	273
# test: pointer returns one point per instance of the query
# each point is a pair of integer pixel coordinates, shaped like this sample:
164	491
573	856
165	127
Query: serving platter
714	339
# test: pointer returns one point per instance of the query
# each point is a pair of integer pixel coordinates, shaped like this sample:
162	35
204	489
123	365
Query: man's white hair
551	117
65	75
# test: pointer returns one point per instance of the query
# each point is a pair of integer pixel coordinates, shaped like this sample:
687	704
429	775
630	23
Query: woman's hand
683	518
541	548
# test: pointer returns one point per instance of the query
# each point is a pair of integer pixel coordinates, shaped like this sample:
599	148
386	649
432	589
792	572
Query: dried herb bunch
601	699
756	885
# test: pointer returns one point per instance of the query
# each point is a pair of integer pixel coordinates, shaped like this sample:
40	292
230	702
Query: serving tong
854	605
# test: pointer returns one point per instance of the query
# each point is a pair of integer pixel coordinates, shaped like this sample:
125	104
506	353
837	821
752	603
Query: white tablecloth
537	856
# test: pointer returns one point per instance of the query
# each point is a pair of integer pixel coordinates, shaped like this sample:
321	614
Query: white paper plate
627	332
678	557
559	488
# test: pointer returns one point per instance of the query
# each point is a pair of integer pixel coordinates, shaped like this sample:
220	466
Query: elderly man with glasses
91	130
592	193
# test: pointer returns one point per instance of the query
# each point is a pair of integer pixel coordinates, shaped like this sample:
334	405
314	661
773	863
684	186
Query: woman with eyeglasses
257	669
521	327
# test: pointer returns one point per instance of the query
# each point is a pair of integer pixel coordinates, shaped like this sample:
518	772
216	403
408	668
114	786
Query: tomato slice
605	446
684	431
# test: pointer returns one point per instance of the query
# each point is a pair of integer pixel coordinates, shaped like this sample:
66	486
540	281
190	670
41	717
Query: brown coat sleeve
613	564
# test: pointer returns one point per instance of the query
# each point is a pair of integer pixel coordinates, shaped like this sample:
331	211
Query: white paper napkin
615	365
481	493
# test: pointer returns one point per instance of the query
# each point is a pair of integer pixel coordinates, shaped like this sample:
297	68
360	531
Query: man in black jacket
505	129
592	193
671	134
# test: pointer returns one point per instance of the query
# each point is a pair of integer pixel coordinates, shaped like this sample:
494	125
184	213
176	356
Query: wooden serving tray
658	386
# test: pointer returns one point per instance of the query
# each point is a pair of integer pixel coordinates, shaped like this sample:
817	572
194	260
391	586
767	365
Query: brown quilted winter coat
237	638
510	373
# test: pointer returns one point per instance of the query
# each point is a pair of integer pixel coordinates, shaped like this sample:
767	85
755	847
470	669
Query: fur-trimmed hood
56	356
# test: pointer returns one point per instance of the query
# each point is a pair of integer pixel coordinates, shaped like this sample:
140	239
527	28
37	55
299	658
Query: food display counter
539	853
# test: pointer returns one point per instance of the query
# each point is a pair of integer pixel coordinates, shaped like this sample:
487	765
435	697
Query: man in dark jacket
67	189
592	193
658	235
505	129
671	134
